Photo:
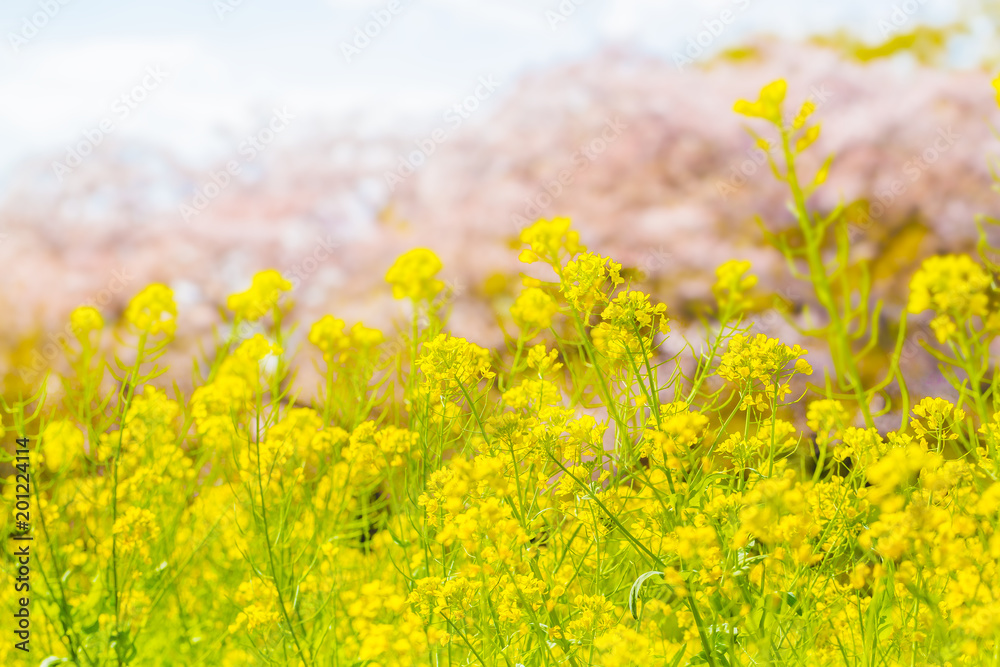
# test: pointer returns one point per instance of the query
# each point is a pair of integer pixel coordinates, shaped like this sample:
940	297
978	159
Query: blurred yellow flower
85	319
548	240
584	278
135	530
153	311
732	284
263	295
61	443
768	105
534	309
329	336
412	275
452	363
954	287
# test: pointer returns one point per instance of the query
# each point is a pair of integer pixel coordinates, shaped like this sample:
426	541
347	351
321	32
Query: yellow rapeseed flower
954	287
629	327
328	335
758	366
543	361
153	311
937	419
768	105
61	444
412	275
732	284
827	417
260	298
452	363
135	529
534	309
550	241
585	281
85	319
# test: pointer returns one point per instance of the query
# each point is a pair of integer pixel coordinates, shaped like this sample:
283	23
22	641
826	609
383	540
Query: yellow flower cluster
533	310
826	418
676	436
588	280
413	275
61	444
450	598
630	323
370	450
759	366
864	446
259	603
220	406
550	241
329	336
776	512
134	531
153	311
595	615
955	288
298	435
85	319
453	365
596	497
768	105
772	439
732	285
542	360
449	488
937	420
260	298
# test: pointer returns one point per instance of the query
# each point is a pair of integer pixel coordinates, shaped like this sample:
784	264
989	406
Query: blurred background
197	142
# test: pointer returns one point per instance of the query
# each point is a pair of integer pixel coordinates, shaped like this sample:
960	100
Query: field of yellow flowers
582	497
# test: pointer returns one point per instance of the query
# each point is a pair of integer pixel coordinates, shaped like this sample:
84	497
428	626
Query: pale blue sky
224	73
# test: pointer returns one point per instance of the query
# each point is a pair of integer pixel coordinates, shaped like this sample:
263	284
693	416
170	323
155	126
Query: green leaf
633	594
